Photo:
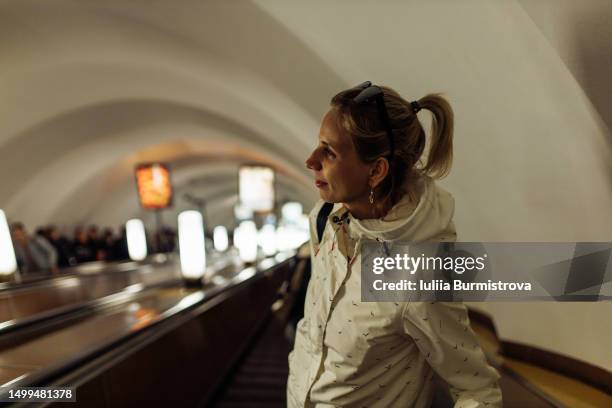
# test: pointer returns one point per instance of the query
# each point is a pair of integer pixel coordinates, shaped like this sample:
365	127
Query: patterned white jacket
364	354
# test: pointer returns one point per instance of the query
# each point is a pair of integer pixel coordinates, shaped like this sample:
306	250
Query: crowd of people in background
49	250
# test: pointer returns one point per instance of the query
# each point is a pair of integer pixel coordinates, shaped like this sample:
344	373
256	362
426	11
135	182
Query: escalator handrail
122	345
86	269
10	326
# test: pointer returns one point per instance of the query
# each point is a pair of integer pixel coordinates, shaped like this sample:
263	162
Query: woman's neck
362	209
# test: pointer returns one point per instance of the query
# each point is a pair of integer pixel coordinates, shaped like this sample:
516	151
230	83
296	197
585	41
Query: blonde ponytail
440	156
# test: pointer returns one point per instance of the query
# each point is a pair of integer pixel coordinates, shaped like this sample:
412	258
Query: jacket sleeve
442	332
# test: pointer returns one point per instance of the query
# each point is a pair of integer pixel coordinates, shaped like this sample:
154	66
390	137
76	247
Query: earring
371	198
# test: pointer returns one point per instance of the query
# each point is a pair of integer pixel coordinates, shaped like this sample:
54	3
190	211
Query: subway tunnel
132	306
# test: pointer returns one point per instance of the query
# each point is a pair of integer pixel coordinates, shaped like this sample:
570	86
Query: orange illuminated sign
154	186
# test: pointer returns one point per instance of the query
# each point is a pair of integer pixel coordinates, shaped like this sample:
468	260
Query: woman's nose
312	163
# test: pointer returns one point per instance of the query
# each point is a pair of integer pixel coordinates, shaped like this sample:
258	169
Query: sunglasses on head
369	92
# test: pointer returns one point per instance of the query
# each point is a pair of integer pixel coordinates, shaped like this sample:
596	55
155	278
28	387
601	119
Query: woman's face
340	175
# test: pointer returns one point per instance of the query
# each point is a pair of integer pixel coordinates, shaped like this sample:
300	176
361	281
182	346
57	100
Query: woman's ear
378	171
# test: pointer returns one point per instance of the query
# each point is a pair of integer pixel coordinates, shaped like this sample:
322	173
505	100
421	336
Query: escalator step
261	379
254	394
257	371
250	404
277	381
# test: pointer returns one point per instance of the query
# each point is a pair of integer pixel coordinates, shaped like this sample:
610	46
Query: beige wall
580	32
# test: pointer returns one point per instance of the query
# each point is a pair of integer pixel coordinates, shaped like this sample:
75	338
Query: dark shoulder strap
322	218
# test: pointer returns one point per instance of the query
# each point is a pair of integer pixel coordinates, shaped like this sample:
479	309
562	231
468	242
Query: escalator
149	340
260	381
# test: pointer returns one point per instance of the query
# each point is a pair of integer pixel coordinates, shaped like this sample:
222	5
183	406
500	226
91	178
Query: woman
367	354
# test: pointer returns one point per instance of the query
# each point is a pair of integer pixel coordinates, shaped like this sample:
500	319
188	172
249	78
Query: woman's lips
320	184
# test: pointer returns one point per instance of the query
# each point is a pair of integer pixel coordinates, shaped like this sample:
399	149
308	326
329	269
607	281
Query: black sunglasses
368	93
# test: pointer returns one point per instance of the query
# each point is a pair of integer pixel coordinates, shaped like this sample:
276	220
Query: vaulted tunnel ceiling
89	89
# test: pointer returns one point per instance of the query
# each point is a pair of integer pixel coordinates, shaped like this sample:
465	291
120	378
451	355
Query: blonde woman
374	184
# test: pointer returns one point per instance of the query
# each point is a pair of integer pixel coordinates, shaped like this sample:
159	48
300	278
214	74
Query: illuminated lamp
192	246
256	187
267	239
246	241
136	239
8	263
220	238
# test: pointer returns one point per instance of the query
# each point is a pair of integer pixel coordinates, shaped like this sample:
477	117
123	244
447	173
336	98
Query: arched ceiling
103	82
119	143
91	88
581	33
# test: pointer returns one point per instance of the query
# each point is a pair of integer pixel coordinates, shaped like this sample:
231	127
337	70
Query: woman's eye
330	154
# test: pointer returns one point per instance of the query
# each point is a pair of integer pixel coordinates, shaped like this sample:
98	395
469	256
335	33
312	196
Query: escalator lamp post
267	239
192	245
220	238
136	239
8	263
245	239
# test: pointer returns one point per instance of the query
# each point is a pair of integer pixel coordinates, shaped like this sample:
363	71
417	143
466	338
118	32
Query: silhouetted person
62	245
165	240
107	244
33	253
83	251
120	249
95	242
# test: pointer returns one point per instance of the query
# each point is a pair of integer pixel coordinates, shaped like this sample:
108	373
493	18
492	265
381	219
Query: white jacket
351	353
